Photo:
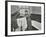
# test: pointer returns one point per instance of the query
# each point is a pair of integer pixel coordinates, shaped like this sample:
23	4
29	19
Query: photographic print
25	18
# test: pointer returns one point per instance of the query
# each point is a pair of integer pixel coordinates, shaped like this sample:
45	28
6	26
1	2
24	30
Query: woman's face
26	12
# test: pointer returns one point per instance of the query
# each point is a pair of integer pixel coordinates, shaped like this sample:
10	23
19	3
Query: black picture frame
6	18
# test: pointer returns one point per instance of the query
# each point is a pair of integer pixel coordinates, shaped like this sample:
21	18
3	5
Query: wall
35	9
